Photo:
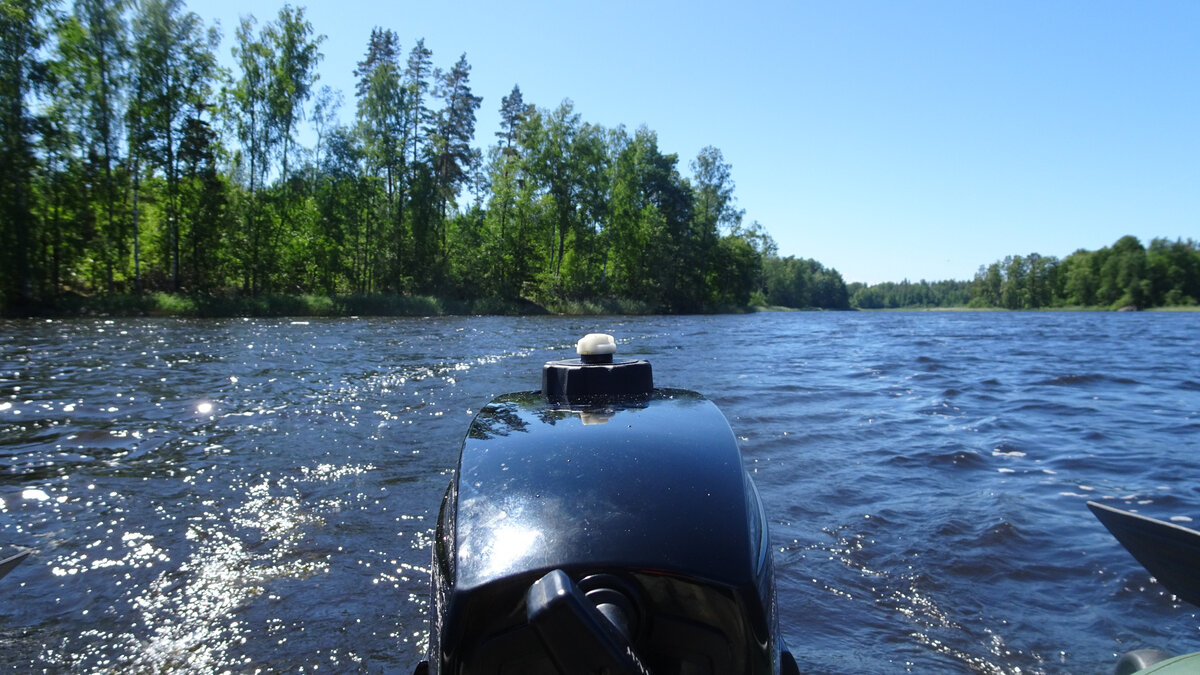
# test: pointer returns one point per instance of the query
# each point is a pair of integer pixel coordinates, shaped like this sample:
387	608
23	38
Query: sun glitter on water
204	408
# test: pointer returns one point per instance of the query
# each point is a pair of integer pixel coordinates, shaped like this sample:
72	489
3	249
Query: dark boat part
1139	659
580	636
595	377
601	525
1168	551
1171	553
12	561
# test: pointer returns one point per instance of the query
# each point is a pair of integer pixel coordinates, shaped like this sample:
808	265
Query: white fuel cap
596	344
595	377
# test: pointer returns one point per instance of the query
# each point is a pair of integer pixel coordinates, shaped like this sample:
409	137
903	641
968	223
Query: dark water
260	494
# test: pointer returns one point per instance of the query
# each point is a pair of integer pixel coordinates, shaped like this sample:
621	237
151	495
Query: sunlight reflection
511	543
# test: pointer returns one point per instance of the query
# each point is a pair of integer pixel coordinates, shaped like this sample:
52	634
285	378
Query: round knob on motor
596	348
595	377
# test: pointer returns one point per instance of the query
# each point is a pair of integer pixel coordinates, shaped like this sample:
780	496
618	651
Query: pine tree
455	158
382	115
21	71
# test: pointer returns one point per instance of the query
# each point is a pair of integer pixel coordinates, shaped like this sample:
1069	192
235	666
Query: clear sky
888	140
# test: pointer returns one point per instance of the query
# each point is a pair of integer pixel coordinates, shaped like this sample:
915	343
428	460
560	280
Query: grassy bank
219	306
216	306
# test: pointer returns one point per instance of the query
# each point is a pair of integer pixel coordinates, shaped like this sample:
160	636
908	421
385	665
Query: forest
1125	275
133	163
133	166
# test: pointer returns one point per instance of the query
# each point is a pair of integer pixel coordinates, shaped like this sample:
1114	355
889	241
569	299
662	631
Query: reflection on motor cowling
602	525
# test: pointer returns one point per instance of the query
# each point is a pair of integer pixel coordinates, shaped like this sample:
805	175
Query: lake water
242	494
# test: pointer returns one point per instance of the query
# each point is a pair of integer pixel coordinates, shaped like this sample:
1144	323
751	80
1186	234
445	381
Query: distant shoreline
1182	308
200	306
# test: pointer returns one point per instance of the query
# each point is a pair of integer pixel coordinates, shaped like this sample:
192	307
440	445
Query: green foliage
156	171
164	185
22	34
906	294
802	284
167	304
1125	274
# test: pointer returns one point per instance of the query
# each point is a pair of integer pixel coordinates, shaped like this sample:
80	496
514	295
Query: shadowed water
245	494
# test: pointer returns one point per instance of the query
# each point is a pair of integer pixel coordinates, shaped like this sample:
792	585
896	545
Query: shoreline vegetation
1127	276
137	177
161	304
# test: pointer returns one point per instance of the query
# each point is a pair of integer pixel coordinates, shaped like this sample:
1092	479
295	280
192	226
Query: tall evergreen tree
421	184
21	70
513	112
418	76
382	116
510	252
455	159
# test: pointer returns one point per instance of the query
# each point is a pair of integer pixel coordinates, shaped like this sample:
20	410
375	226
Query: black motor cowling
602	526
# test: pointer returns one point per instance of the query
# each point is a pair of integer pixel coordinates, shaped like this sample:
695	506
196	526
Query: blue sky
888	140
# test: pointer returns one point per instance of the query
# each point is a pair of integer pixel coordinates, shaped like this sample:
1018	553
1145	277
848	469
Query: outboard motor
601	525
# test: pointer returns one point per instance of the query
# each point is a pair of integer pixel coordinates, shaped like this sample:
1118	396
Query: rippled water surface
260	494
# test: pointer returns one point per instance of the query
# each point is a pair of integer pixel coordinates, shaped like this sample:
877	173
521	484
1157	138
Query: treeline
1127	274
802	283
907	294
131	161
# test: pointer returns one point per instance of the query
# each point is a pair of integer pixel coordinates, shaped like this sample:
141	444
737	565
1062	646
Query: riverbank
224	306
1175	308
